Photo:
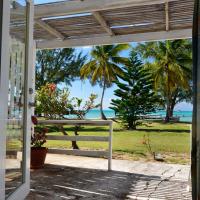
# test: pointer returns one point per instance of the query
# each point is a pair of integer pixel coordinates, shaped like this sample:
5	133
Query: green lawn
172	141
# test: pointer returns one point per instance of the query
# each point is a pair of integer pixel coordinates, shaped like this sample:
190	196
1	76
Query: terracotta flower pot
38	155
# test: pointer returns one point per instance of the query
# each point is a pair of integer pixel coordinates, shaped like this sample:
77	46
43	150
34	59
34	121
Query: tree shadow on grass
82	129
164	130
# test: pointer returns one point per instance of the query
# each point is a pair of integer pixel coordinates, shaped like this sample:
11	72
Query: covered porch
76	23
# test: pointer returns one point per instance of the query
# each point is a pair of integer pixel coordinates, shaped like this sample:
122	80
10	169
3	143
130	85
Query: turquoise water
185	116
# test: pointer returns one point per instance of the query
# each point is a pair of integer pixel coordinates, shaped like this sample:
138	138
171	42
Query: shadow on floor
56	182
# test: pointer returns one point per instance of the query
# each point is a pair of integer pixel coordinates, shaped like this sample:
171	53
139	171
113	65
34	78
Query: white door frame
23	190
4	74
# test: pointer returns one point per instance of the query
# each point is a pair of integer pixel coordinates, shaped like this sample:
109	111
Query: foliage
38	138
57	104
52	102
104	67
147	143
81	110
57	66
135	96
170	64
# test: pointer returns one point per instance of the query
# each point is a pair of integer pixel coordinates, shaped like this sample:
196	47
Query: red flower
34	120
52	87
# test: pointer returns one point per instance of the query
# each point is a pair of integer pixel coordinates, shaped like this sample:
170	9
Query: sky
22	2
46	1
83	89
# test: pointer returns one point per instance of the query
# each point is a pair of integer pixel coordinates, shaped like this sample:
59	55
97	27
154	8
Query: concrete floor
83	178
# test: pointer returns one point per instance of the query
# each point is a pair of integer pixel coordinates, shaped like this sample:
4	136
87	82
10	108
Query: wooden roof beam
103	23
49	29
87	6
167	15
104	40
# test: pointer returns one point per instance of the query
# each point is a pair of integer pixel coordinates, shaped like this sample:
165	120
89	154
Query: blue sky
46	1
84	89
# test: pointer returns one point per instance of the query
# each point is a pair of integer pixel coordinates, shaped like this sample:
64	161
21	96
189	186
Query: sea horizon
185	116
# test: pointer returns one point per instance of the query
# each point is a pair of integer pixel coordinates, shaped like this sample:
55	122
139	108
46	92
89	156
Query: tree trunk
101	104
167	117
171	114
132	125
173	103
74	144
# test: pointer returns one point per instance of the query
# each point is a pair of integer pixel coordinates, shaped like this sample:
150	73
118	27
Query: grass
171	140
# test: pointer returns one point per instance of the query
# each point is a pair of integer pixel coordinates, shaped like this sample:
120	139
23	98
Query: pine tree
135	95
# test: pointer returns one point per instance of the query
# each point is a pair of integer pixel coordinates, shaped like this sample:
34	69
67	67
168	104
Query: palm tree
170	63
104	67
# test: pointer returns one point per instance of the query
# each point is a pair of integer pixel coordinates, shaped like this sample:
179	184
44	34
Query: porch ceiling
92	22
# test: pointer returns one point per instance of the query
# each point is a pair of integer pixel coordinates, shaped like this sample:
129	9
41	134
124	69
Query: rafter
50	29
77	6
103	23
139	37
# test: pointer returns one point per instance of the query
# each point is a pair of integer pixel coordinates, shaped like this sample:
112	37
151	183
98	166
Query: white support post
110	147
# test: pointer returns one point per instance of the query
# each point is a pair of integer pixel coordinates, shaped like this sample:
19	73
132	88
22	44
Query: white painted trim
4	79
77	6
76	122
28	97
20	193
78	138
76	152
110	147
139	37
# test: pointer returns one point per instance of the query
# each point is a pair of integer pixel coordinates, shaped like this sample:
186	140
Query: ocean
185	116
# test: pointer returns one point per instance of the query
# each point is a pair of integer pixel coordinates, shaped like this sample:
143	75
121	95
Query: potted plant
38	152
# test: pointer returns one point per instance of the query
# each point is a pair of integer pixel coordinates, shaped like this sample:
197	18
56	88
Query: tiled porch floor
82	178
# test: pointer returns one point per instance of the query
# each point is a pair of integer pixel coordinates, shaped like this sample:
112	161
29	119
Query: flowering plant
53	103
38	138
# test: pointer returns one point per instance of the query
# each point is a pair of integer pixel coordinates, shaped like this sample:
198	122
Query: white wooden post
110	147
